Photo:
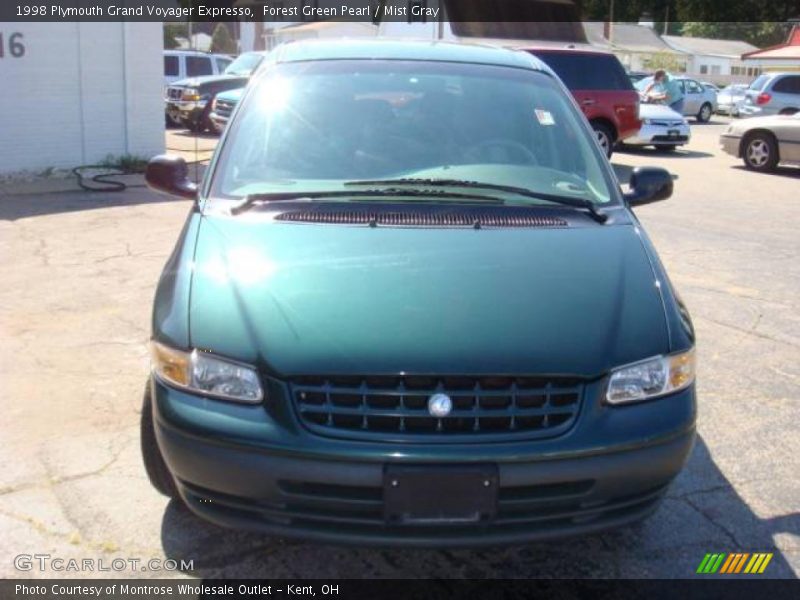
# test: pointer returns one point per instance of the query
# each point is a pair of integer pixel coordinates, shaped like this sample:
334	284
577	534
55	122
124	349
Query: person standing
666	89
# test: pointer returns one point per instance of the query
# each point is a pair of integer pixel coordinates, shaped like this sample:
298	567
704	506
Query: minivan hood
333	299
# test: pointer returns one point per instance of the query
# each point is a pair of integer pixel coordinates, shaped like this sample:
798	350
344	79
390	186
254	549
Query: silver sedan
763	142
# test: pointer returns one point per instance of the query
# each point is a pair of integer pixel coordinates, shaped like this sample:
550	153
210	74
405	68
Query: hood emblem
440	405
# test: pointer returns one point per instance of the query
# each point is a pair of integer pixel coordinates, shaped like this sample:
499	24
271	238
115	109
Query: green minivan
411	306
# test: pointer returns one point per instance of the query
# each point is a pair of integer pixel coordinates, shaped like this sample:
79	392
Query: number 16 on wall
15	47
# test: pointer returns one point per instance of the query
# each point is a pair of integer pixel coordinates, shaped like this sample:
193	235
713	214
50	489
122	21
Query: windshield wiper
253	199
596	214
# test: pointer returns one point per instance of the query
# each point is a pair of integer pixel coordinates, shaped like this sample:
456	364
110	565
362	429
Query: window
787	85
222	63
171	66
693	87
586	71
244	64
198	65
703	69
317	125
759	82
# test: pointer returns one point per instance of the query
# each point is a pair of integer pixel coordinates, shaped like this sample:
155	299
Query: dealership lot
80	272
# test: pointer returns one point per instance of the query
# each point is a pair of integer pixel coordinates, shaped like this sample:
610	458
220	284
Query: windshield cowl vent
507	217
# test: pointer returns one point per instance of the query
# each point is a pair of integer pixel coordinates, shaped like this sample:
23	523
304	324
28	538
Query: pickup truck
188	101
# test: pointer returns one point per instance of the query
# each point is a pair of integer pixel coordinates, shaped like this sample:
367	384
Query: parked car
698	102
222	107
599	84
180	64
662	128
189	100
772	94
421	310
730	98
764	142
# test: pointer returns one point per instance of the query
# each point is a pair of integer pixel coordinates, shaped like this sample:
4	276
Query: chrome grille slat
487	409
224	108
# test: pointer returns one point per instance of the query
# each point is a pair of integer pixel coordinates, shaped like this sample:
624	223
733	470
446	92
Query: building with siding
74	93
719	61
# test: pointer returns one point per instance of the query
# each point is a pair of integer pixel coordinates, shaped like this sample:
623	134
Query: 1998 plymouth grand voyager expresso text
411	305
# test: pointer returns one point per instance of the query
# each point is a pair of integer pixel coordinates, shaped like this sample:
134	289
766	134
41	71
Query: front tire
605	137
704	116
154	465
760	152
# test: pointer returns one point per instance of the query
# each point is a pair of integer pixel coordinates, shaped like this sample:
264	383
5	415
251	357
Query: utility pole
611	22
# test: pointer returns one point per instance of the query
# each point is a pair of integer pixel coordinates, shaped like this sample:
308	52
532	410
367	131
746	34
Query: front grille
668	123
396	408
174	93
224	108
460	217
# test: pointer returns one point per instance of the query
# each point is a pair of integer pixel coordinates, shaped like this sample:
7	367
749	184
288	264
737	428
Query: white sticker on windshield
544	117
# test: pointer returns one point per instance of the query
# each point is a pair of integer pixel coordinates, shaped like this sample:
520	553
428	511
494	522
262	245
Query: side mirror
170	174
649	184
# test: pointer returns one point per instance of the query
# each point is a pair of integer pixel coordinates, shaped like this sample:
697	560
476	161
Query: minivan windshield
322	125
244	64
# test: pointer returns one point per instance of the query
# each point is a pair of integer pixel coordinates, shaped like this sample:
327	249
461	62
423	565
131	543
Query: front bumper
185	111
243	467
750	110
219	121
728	108
730	144
650	135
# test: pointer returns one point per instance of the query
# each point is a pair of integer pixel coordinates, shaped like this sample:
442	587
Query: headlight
646	121
651	378
206	374
191	94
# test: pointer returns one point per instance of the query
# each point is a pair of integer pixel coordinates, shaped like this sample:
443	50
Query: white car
661	127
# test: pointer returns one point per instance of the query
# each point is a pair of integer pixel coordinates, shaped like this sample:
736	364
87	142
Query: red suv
601	87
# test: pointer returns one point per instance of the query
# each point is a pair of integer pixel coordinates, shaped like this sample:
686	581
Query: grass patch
130	163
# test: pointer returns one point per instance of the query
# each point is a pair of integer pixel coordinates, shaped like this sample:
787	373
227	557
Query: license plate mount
439	495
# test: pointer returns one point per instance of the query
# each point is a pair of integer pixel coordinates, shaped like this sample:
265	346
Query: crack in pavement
748	331
711	520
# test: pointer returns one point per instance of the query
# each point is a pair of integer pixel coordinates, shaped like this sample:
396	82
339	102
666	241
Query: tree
172	31
663	60
759	34
222	41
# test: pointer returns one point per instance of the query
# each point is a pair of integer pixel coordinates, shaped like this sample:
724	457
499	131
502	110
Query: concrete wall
80	92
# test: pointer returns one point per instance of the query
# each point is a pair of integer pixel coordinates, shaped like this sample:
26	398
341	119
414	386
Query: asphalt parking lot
79	272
